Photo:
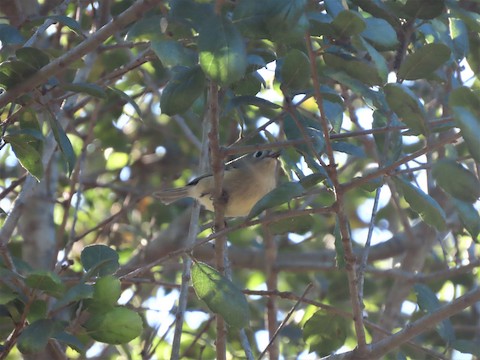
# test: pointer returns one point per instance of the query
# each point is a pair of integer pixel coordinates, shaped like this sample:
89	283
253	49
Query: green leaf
24	147
377	58
86	88
380	33
286	33
424	61
182	90
63	143
456	180
357	69
100	258
428	302
75	293
469	217
13	72
424	9
46	281
172	53
72	24
147	28
34	337
251	17
325	333
426	298
295	70
221	295
278	196
7	295
249	85
194	13
348	23
465	97
117	160
297	224
33	56
9	35
70	340
107	291
293	132
466	346
37	310
313	179
118	325
469	125
222	56
252	101
423	204
459	33
128	99
348	148
407	106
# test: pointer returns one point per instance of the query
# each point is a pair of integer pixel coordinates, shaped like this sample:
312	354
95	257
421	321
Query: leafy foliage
375	107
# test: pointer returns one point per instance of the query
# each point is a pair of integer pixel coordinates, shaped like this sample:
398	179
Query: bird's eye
258	154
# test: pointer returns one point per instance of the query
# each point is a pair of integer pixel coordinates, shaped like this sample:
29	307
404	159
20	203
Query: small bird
246	180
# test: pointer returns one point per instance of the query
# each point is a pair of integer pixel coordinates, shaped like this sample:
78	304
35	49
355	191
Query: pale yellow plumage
246	180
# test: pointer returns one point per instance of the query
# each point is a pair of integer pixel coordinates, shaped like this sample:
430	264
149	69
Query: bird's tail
169	196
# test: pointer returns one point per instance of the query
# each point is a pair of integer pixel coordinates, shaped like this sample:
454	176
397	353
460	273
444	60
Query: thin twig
284	321
187	260
343	222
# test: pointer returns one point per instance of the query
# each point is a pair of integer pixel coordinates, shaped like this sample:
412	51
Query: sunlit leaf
24	147
221	295
222	55
459	32
107	290
117	325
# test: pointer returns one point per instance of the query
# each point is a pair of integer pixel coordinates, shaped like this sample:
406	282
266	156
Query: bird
246	180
